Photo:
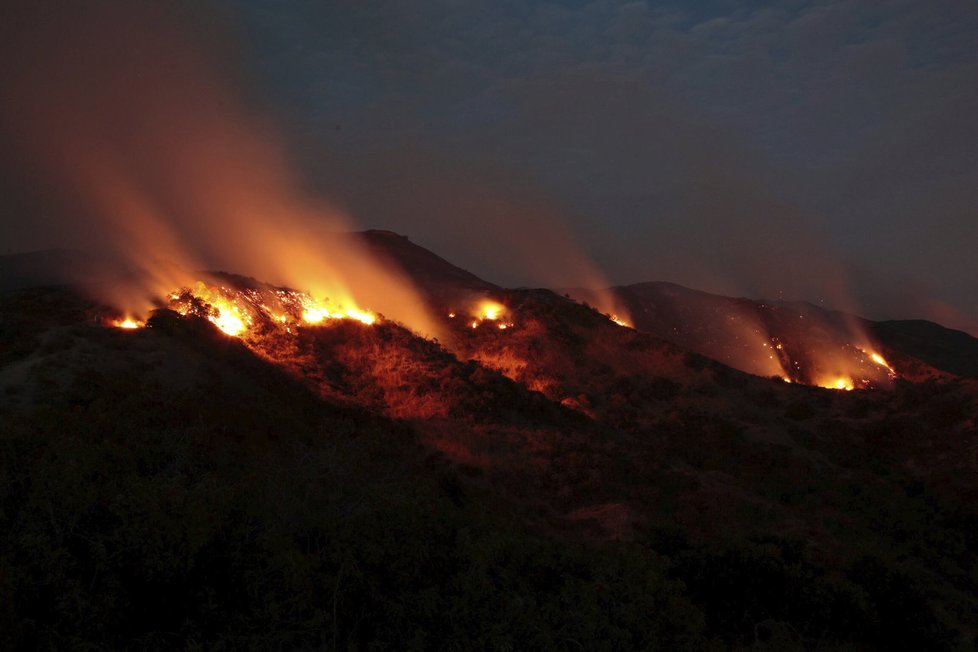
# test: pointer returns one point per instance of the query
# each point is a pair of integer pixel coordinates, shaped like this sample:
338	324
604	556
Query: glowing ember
620	322
451	315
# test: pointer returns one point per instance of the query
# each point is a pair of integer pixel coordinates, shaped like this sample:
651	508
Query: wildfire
316	314
620	322
842	382
128	323
878	359
490	310
223	307
237	311
838	366
229	320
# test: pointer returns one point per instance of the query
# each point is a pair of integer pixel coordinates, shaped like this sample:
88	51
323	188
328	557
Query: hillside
945	348
438	279
743	332
557	483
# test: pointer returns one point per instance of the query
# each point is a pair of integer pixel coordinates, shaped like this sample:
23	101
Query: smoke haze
141	151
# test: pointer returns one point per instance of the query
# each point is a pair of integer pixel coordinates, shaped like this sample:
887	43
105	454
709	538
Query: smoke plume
144	151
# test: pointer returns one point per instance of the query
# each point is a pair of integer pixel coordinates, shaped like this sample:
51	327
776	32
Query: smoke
145	151
495	220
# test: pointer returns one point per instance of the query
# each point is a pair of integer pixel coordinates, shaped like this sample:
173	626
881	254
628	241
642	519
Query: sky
802	150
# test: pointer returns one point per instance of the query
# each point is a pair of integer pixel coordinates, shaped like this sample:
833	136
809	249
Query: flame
843	382
317	314
229	321
163	163
839	382
237	311
620	322
219	306
128	323
360	315
878	359
490	310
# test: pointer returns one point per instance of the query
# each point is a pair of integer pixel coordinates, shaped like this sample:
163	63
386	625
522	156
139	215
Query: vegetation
169	488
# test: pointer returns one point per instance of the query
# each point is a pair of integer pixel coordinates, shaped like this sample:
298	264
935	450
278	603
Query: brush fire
844	367
238	311
128	323
487	310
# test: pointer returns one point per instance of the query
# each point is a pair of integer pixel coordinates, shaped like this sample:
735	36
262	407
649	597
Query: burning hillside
169	172
252	308
797	343
166	170
371	448
564	422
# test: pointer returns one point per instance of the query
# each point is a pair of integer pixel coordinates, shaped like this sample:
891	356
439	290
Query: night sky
806	150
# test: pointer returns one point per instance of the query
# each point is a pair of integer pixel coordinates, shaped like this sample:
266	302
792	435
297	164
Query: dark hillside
437	278
563	481
746	333
166	486
944	348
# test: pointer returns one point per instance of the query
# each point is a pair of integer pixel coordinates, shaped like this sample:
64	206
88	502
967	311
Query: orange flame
490	310
236	311
878	359
842	382
229	321
162	163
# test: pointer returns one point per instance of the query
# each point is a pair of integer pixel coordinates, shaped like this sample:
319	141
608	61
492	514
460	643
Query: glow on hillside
128	323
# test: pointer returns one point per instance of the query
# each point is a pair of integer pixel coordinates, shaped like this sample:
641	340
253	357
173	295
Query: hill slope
944	348
559	482
742	333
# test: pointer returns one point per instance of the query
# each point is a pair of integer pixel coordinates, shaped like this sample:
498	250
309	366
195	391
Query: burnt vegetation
562	484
